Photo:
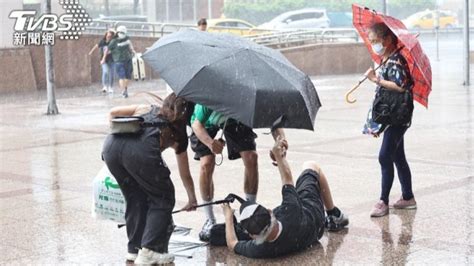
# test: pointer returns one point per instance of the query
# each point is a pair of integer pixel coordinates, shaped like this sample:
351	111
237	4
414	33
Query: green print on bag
110	184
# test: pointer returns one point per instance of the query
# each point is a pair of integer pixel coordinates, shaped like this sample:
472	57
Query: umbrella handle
222	160
222	134
365	77
352	90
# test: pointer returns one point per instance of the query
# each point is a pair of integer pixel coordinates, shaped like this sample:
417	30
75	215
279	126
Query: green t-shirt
207	116
120	49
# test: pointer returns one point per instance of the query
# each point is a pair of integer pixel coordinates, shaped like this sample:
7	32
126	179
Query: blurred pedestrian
122	53
202	24
394	75
106	61
135	161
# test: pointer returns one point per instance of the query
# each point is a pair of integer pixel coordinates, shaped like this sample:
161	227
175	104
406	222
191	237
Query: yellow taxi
427	19
233	26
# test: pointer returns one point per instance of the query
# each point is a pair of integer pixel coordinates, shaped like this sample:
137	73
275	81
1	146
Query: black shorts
238	136
309	191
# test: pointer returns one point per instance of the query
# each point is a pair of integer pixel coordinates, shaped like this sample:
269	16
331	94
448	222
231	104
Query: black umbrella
236	77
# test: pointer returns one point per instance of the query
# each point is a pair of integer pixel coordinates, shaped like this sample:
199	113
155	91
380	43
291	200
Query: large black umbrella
236	77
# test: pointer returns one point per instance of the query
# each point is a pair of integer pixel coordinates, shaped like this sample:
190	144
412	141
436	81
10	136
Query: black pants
309	192
135	162
392	152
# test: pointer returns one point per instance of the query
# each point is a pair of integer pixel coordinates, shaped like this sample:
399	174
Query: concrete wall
330	59
24	68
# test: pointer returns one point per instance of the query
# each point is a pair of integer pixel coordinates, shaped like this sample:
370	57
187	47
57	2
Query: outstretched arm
93	49
122	111
230	237
279	152
187	179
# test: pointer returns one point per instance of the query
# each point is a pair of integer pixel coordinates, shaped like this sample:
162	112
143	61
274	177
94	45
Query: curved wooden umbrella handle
350	92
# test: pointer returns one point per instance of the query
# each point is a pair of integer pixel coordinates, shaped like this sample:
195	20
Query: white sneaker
104	89
149	257
131	256
110	89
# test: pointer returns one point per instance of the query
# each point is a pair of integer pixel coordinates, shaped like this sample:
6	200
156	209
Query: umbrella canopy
236	77
418	62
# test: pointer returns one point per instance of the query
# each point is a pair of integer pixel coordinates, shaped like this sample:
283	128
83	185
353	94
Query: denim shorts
124	69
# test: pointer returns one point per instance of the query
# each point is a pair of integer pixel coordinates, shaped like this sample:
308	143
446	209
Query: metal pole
181	10
194	10
48	58
384	7
209	9
466	44
436	25
167	10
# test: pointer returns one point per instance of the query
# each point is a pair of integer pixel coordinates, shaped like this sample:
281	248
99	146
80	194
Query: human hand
285	148
370	74
190	206
217	146
279	148
228	211
102	61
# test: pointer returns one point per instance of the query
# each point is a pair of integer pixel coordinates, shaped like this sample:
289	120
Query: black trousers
135	162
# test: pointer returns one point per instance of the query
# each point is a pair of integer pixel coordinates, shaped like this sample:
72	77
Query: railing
284	39
271	38
137	28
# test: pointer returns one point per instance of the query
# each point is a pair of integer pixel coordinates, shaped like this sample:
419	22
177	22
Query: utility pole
384	7
48	56
209	9
466	44
107	7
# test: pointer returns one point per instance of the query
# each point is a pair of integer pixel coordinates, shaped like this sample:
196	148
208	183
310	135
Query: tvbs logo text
39	29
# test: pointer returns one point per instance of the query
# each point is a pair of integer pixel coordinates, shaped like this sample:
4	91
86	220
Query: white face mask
121	35
378	48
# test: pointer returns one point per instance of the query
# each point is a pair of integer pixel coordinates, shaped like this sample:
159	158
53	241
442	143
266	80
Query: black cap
254	217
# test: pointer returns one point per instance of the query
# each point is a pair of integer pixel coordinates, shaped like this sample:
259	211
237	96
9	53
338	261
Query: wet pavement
48	164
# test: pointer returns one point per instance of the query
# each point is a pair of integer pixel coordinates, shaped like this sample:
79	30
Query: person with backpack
136	162
122	53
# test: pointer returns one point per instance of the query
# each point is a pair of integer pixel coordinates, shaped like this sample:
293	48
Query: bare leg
250	159
323	183
206	185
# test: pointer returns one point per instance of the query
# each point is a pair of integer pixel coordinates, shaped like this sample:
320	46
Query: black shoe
334	223
205	233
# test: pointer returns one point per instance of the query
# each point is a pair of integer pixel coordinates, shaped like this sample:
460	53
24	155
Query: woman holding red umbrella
393	75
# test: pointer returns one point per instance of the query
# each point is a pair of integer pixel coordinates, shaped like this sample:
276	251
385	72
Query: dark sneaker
334	223
205	233
125	94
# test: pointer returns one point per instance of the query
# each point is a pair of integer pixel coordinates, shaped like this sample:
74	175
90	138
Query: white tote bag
108	200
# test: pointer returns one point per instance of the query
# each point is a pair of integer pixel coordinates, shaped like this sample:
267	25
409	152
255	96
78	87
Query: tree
48	54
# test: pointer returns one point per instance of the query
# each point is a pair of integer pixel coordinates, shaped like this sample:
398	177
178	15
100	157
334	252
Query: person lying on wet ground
294	225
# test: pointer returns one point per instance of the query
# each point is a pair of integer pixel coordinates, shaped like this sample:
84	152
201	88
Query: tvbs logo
32	28
26	21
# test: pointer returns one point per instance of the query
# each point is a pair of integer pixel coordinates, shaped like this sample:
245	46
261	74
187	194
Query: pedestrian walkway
48	163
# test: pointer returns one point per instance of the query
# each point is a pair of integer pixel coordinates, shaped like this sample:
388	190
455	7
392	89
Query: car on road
426	20
233	26
340	19
308	18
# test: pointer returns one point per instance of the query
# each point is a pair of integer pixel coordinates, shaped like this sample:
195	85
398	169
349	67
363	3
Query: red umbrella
418	62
